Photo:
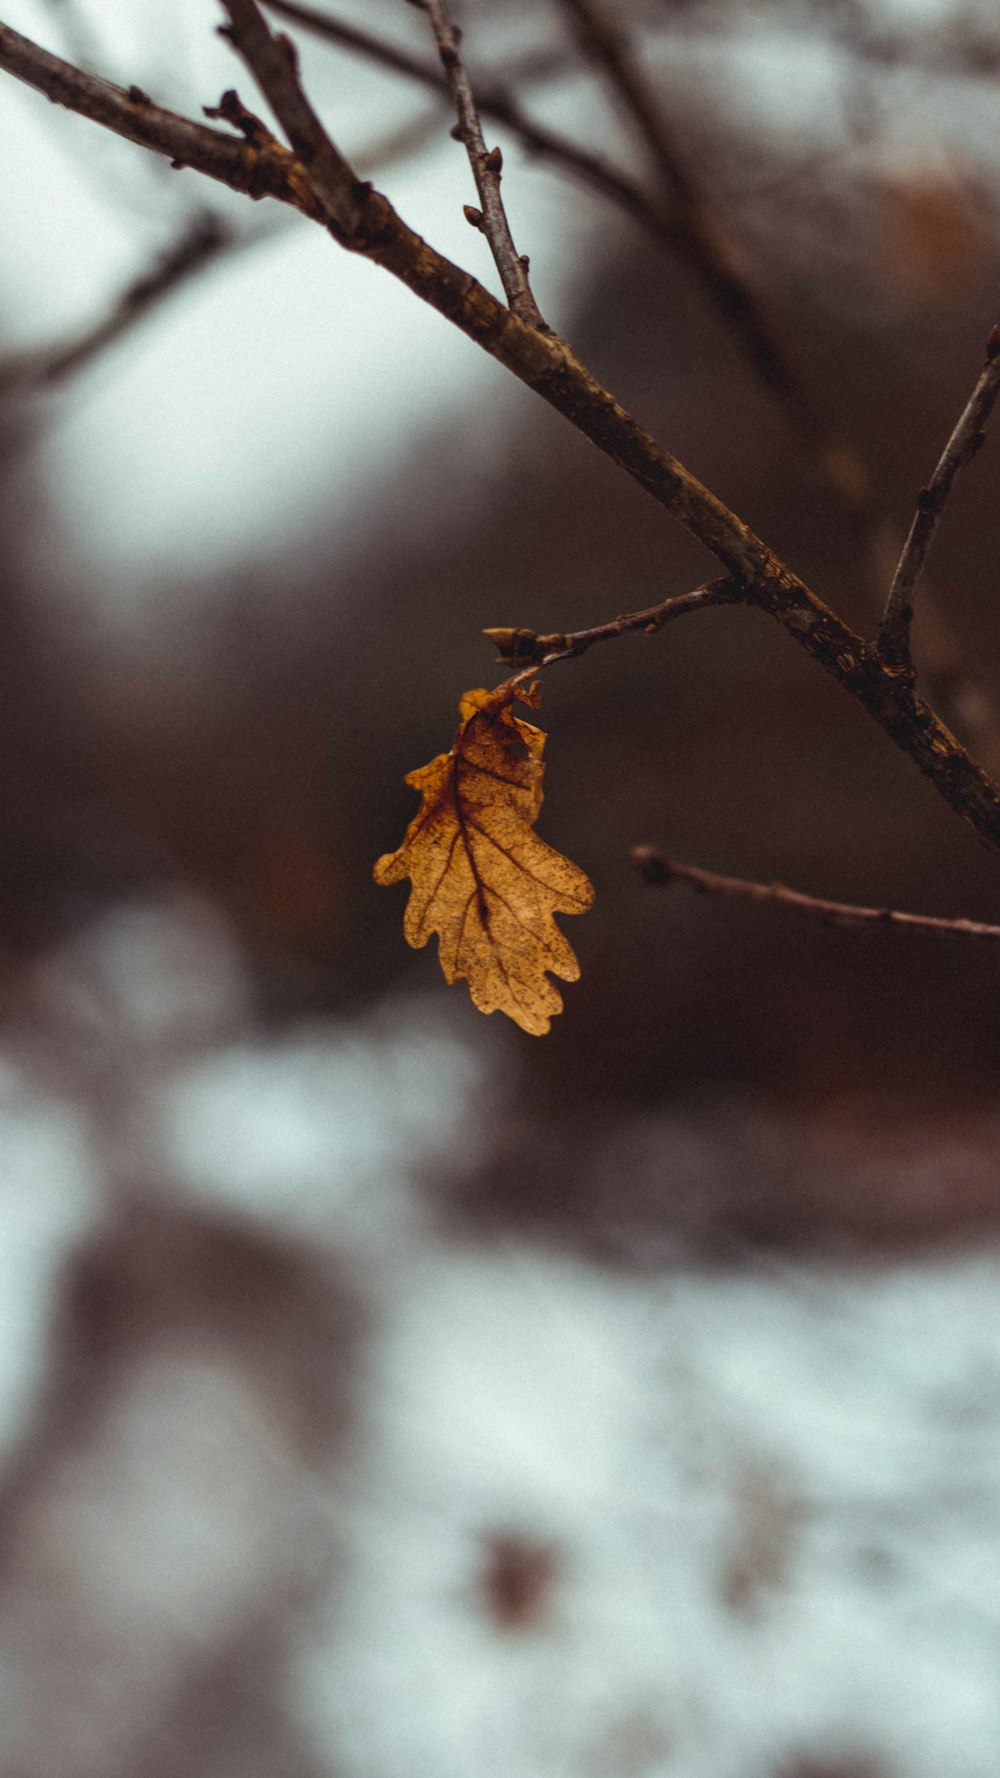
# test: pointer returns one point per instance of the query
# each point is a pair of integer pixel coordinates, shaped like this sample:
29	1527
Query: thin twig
661	871
523	648
498	104
544	363
487	166
965	441
274	65
27	372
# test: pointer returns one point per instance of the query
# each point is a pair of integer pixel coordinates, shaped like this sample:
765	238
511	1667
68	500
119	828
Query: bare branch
500	105
274	65
259	172
323	190
683	223
487	165
965	441
661	871
26	373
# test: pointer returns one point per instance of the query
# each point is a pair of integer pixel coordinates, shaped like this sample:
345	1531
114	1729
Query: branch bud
651	864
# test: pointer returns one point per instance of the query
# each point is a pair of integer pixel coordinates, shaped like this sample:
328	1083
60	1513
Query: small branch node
232	110
651	865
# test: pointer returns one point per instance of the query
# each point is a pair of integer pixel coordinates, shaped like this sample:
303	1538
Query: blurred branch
501	106
698	236
840	466
487	165
27	372
320	182
965	441
661	872
205	239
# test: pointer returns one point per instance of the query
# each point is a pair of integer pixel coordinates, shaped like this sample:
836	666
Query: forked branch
661	872
275	67
497	103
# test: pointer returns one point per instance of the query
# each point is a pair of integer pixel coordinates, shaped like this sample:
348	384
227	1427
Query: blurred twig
28	372
660	871
965	441
839	464
701	240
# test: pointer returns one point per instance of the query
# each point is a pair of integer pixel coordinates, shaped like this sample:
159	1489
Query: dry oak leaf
482	879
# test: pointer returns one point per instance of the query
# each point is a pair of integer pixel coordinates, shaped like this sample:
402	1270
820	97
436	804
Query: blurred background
383	1390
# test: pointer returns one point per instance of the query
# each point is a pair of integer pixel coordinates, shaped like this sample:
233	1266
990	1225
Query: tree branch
258	172
684	224
487	165
661	872
273	62
501	106
324	190
525	649
965	441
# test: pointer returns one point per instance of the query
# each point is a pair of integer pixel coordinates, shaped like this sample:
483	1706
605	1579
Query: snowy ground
704	1523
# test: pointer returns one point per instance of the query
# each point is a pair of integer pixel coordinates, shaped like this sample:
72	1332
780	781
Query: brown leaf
482	879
